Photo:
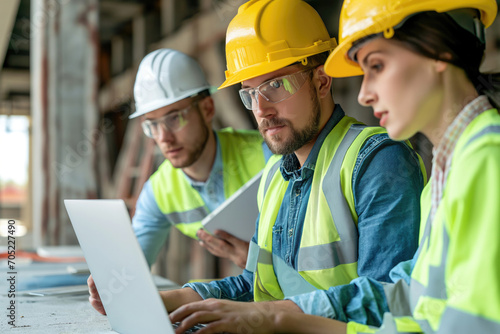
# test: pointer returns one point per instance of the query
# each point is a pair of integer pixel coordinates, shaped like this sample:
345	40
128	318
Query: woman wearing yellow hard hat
420	61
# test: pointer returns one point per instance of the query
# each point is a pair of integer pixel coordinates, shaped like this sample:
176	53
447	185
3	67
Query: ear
207	109
441	66
323	81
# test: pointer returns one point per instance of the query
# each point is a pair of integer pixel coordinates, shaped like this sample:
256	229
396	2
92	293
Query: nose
261	107
366	96
164	134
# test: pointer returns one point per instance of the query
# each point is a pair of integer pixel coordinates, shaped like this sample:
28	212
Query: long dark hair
439	36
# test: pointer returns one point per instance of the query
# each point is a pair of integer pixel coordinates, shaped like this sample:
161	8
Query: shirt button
297	192
290	232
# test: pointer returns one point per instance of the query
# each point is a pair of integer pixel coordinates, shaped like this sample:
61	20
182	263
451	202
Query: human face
403	88
288	125
184	146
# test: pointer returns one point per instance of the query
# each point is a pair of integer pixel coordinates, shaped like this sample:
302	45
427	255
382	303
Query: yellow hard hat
267	35
361	18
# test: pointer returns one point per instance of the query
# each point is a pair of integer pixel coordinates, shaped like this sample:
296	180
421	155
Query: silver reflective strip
270	175
290	281
437	286
459	322
265	257
485	131
425	236
436	283
327	256
253	255
187	217
425	326
416	290
345	250
398	298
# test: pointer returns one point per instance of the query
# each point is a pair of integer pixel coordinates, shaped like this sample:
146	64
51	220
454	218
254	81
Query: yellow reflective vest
328	250
242	158
455	284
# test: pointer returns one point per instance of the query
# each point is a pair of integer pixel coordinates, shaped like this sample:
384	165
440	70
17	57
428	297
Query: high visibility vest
328	252
242	158
437	301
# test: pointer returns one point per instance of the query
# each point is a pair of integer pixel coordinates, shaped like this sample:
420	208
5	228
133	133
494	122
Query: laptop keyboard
193	329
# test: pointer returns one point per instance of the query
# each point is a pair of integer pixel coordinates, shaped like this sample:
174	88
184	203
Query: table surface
66	312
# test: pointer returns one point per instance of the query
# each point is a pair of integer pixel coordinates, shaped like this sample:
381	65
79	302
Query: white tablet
237	215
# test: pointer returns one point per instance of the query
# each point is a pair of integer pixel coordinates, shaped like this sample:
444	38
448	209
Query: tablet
237	215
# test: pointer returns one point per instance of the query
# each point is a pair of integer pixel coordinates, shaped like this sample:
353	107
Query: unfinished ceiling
116	19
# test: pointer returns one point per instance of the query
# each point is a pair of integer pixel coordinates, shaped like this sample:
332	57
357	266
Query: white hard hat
166	76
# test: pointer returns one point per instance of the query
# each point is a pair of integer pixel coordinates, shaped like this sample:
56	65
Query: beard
278	144
194	153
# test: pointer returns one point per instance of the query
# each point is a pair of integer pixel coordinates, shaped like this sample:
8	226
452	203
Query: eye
376	67
153	123
275	83
173	118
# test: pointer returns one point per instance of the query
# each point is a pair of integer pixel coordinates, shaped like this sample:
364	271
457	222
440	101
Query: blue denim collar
290	166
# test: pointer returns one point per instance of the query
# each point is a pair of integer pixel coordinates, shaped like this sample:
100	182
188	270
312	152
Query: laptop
237	215
118	266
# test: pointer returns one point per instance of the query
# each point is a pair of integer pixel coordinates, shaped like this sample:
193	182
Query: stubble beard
298	138
196	152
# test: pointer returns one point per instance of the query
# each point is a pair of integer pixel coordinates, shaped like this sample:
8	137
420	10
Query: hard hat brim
160	103
338	65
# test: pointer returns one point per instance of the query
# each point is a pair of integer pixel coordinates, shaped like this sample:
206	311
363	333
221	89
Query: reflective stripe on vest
190	216
328	251
242	158
344	250
429	291
390	325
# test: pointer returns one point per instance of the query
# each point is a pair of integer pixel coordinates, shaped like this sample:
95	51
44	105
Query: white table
69	312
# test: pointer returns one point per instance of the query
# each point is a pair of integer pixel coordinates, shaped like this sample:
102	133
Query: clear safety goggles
274	90
173	122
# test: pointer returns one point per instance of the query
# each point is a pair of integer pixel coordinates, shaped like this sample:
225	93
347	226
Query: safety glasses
172	122
274	90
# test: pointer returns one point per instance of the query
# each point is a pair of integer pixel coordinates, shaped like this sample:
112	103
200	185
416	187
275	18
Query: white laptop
118	266
237	215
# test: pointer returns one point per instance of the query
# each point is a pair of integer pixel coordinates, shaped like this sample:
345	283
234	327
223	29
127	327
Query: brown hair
439	36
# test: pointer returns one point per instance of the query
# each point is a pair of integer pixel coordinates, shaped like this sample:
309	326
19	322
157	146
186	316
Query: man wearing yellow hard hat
332	206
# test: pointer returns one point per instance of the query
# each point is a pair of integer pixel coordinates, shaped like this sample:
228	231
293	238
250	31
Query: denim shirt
152	227
387	182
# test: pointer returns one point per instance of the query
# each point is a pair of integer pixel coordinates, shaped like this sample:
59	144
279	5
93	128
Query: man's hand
233	317
95	299
175	298
225	245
